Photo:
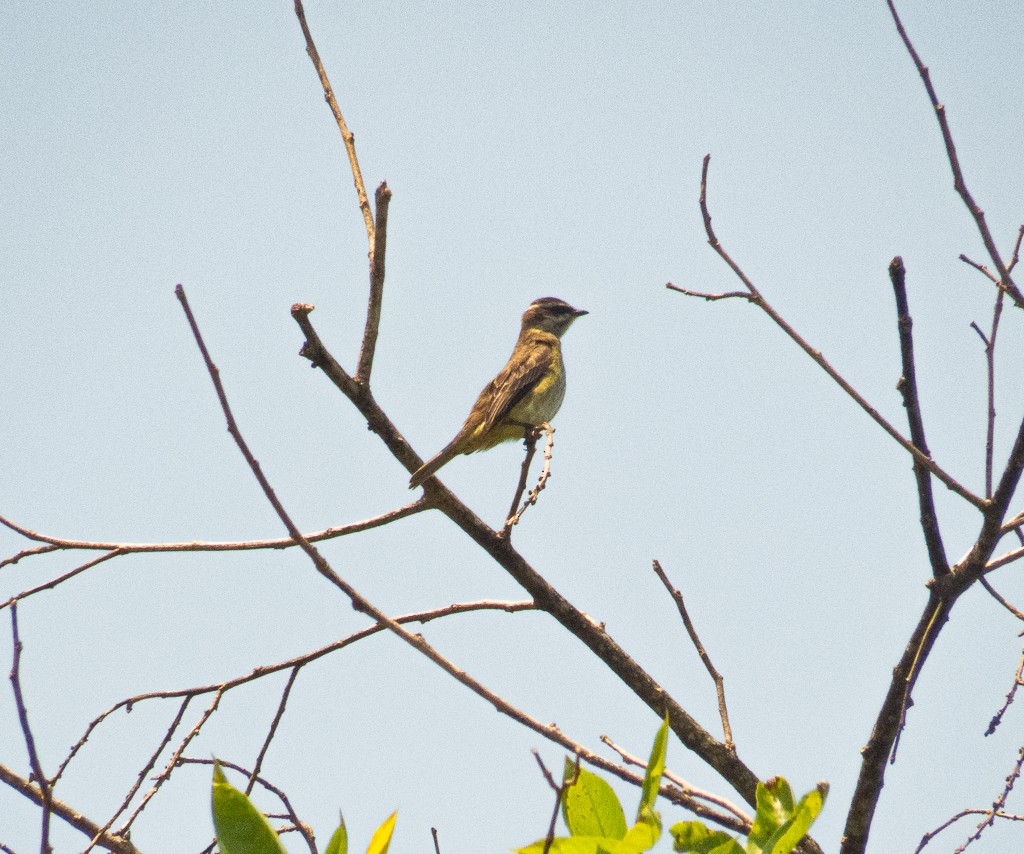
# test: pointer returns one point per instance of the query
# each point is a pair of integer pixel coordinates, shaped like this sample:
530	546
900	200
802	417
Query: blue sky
548	151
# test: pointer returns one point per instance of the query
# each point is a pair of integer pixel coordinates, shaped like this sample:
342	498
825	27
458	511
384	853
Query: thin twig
559	790
990	370
542	481
995	595
24	553
141	777
258	766
45	785
205	546
911	400
998	804
49	585
1018	680
685	786
930	835
712	297
437	845
373	310
119	549
754	296
290	813
530	436
292	663
172	763
716	677
347	136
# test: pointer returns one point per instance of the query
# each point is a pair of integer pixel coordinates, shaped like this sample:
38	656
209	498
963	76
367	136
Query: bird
526	393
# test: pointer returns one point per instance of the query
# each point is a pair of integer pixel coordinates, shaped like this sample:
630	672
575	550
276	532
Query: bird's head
550	314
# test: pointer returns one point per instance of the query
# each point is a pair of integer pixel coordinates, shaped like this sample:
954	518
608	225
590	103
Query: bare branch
716	677
712	297
380	236
911	400
559	790
141	778
889	722
980	267
273	728
1018	680
172	763
45	785
347	136
119	549
930	835
290	813
532	434
995	595
998	804
66	813
1004	559
1005	282
292	663
754	296
13	559
530	443
686	787
49	585
546	597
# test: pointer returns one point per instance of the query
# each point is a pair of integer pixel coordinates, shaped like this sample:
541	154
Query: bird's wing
516	380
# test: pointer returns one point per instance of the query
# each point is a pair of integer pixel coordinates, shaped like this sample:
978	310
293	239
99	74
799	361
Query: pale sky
551	150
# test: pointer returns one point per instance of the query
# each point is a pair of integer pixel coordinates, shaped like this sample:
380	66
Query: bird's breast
541	404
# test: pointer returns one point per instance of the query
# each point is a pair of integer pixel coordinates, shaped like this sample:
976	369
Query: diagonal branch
890	720
45	785
347	136
758	299
380	237
591	633
1005	283
545	597
66	813
716	677
908	388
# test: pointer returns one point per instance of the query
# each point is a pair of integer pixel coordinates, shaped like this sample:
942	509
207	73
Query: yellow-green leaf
655	768
241	828
339	841
590	806
382	835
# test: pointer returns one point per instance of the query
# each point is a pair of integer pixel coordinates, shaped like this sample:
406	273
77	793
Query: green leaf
574	845
643	835
693	837
382	835
590	806
774	802
241	828
339	842
788	836
655	768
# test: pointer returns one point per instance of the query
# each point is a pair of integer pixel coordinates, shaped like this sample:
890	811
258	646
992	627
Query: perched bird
527	392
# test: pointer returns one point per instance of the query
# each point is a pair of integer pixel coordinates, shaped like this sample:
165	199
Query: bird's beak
579	312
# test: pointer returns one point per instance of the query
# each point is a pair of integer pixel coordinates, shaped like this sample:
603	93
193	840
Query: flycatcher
526	393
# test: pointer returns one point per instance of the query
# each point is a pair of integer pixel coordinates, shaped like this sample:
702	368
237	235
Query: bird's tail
445	455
